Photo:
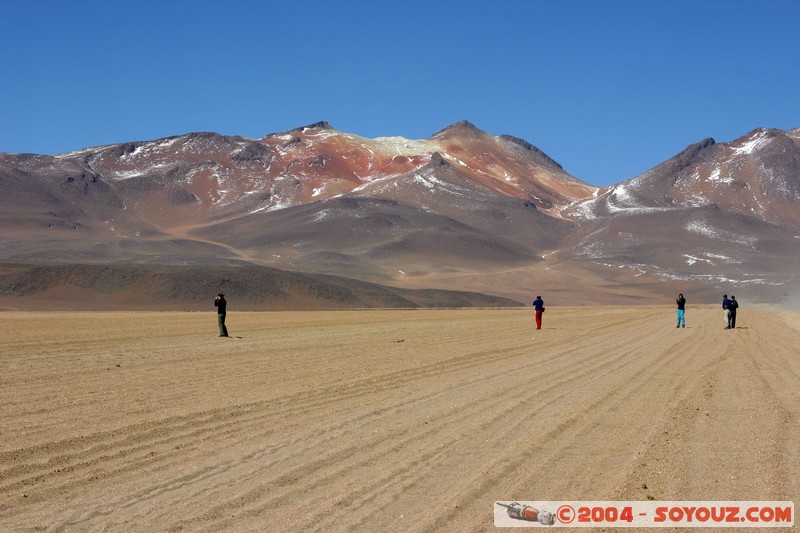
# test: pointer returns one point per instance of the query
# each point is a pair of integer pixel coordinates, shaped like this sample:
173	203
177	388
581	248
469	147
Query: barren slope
386	420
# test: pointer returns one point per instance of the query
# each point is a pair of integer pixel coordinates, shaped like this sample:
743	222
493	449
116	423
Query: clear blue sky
609	89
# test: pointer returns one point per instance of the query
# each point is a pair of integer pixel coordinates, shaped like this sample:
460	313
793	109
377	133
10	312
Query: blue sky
608	89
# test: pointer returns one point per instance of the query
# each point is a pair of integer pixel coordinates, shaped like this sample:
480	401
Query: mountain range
463	210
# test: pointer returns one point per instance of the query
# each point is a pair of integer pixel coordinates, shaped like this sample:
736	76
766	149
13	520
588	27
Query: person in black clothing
681	301
733	305
221	305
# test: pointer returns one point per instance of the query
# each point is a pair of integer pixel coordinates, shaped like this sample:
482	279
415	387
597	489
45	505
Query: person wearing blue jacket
538	307
733	305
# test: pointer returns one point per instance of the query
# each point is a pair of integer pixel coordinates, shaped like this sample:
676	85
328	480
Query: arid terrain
401	420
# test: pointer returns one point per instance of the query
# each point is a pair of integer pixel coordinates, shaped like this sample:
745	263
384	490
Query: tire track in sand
734	436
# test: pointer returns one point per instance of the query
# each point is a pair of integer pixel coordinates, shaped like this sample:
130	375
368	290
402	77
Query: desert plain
386	420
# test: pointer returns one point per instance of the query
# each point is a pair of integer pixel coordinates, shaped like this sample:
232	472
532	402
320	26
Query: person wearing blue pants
733	305
681	301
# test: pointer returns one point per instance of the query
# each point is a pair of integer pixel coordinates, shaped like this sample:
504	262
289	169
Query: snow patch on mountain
320	133
690	260
432	183
149	149
701	227
723	258
123	175
757	142
582	209
379	183
697	200
716	176
407	147
619	200
710	259
321	215
712	279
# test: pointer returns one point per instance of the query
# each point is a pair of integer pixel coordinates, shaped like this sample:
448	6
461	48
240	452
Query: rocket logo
527	513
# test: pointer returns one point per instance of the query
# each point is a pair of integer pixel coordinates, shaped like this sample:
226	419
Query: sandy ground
386	420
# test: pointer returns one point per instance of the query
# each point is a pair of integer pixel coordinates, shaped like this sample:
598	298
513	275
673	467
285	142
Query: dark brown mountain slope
88	287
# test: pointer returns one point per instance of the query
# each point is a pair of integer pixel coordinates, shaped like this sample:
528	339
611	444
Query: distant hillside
246	288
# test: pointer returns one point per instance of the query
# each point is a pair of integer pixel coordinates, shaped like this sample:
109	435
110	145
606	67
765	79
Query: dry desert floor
411	420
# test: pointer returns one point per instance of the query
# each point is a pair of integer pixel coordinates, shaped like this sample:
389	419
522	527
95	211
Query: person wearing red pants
538	307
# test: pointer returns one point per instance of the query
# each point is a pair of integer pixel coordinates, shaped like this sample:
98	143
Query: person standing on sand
221	306
726	312
681	301
733	305
538	307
